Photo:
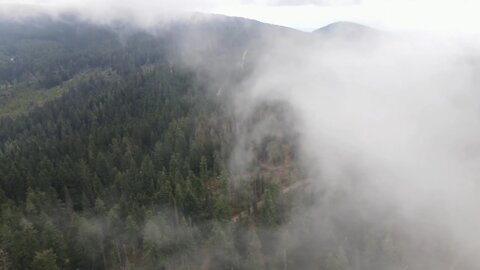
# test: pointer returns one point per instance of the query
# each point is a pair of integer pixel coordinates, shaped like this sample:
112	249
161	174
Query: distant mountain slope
346	30
38	55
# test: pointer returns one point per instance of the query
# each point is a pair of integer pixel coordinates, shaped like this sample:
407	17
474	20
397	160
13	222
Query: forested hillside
224	143
113	155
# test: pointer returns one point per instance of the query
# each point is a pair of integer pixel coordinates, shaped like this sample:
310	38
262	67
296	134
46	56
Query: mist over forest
142	139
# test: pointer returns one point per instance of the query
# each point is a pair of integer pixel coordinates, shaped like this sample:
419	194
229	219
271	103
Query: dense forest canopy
115	154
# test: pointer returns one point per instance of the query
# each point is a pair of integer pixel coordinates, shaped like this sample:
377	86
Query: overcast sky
450	17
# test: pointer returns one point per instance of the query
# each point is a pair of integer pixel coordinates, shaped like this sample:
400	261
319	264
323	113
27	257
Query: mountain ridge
346	29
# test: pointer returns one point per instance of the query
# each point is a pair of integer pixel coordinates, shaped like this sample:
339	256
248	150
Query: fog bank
389	133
